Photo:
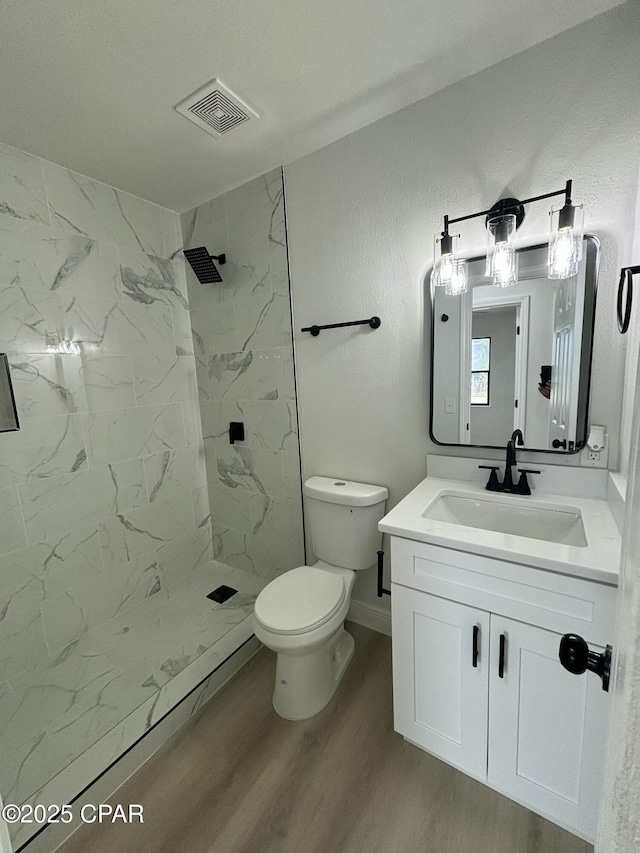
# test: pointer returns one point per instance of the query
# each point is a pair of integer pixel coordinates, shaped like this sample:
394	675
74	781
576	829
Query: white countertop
598	561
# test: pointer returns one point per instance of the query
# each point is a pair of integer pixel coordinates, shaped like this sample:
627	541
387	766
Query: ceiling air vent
216	109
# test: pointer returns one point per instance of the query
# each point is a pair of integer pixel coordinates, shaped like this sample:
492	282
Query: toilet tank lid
336	491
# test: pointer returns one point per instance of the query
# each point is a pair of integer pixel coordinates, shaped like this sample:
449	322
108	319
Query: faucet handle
493	485
523	487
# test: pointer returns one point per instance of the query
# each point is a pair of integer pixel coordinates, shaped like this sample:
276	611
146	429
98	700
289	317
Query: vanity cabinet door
440	677
547	727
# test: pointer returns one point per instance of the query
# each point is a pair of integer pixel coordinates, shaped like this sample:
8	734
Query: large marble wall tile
31	321
206	225
58	504
83	206
201	512
174	471
38	697
12	528
291	475
164	379
107	382
276	519
214	330
30	575
216	417
247	272
22	643
258	470
264	557
77	610
22	192
185	554
149	279
256	208
171	233
47	384
271	424
44	447
116	327
127	433
253	375
47	259
230	507
141	531
263	322
192	423
180	319
278	262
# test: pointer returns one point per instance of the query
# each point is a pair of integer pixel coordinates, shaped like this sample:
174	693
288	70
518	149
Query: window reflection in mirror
514	358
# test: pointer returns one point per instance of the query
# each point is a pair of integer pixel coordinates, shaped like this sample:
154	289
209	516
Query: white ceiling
92	85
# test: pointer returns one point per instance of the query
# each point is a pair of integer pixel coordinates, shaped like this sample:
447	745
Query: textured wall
103	504
362	213
242	340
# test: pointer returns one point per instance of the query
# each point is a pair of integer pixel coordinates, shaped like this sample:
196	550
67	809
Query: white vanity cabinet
478	683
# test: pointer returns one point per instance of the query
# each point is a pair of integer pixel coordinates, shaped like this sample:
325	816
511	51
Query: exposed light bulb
502	264
565	243
505	267
458	283
444	262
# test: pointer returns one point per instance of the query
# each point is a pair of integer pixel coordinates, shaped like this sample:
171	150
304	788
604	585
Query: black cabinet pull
503	647
476	645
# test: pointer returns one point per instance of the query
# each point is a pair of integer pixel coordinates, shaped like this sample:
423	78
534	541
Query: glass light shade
565	241
502	261
443	261
458	283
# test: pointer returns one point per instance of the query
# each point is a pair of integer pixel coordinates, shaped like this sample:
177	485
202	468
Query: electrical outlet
594	458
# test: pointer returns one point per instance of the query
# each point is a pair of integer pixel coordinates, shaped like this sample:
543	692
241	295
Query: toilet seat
299	600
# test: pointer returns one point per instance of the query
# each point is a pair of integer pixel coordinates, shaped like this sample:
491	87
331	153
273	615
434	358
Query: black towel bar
374	322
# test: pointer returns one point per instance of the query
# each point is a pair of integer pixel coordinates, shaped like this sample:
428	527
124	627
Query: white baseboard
107	784
371	617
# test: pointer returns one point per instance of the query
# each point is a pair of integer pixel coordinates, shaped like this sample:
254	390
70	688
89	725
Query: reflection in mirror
516	357
8	413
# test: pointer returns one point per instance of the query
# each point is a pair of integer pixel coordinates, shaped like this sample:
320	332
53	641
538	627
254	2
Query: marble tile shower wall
244	361
103	499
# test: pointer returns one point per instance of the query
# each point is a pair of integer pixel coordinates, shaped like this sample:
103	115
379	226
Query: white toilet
300	615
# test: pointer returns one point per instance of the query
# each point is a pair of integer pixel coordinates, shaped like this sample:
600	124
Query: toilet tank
343	520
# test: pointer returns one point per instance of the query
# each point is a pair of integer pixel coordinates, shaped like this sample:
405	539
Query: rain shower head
202	264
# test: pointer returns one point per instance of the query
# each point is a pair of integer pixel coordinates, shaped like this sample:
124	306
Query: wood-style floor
238	779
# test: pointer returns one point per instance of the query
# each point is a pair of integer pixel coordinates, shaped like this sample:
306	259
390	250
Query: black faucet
494	484
516	437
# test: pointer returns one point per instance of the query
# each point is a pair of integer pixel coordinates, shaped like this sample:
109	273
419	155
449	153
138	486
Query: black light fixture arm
503	207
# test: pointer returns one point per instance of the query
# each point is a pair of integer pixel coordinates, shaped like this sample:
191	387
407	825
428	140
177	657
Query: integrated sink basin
506	514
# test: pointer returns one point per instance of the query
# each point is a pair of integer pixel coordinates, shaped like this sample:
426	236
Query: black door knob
576	657
557	443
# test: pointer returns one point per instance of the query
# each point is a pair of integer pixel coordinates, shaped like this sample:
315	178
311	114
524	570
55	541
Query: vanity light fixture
444	263
565	245
502	220
459	282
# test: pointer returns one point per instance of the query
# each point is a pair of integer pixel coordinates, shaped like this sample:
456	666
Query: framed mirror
516	357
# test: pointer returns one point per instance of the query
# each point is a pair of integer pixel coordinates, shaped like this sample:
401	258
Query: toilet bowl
300	614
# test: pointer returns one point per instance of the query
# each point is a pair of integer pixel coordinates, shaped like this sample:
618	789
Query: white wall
362	213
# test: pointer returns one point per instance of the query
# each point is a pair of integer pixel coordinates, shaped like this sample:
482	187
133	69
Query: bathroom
125	502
